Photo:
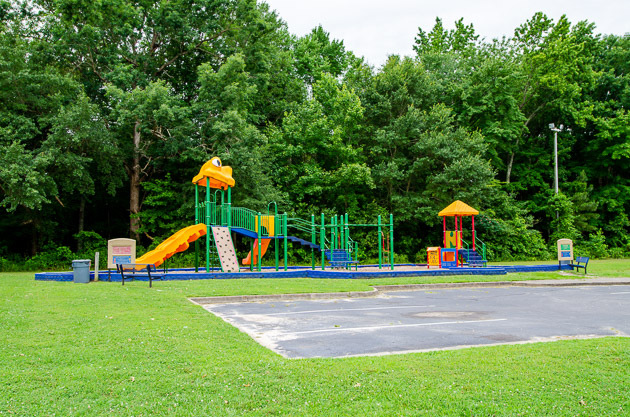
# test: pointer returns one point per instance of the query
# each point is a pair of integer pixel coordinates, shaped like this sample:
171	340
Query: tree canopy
109	108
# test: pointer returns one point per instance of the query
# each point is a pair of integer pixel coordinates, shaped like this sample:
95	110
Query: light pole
555	131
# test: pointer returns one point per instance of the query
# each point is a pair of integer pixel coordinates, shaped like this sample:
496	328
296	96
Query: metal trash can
81	270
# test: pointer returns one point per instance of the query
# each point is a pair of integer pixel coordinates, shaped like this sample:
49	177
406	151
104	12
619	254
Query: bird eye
216	162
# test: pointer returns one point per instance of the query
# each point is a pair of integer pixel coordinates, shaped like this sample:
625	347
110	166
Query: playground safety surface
363	272
431	319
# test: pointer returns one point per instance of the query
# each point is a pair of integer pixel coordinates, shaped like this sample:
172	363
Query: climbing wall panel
225	249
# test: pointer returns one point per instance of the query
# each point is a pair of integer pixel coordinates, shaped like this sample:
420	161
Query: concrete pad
414	321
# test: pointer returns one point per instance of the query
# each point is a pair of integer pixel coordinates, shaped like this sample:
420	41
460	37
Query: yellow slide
263	250
178	242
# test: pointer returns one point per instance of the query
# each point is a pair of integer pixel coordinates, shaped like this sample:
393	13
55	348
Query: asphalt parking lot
414	321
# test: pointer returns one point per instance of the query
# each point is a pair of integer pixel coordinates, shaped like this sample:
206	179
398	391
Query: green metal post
333	235
208	230
229	209
197	222
391	240
322	240
380	244
347	243
216	218
286	241
344	243
222	206
277	225
337	232
313	241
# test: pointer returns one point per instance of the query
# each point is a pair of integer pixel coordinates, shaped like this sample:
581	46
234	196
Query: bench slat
580	262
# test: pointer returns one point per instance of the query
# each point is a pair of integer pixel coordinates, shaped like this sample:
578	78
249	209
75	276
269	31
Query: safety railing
244	218
479	244
299	225
209	217
353	249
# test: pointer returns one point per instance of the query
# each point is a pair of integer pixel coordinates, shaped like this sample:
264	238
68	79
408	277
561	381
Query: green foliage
440	40
316	55
585	208
31	97
51	258
82	149
108	110
562	211
507	231
595	247
166	208
226	99
21	177
315	155
91	242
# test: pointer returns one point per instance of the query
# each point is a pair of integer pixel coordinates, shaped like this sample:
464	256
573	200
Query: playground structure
453	253
329	242
218	220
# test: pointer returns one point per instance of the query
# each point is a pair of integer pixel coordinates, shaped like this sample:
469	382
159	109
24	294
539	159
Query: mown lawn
104	349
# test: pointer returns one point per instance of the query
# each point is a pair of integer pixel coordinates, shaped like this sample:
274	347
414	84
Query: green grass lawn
106	349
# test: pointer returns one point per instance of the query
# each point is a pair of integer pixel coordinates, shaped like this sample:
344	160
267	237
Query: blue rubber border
306	272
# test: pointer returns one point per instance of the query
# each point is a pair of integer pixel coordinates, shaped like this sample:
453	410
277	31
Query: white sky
375	29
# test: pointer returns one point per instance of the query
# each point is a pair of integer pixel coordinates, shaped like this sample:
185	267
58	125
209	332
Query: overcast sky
375	29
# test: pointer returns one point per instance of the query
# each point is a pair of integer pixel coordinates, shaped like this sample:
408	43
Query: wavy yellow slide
178	242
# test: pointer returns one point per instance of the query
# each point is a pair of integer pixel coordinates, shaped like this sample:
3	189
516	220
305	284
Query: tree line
110	108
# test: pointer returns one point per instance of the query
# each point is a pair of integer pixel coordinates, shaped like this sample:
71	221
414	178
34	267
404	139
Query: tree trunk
510	164
509	168
518	140
134	184
34	239
81	223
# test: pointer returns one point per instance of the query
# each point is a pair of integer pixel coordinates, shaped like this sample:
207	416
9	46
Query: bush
90	243
595	247
59	257
512	240
617	253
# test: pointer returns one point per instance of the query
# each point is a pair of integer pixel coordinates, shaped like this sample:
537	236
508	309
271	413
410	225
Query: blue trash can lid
79	262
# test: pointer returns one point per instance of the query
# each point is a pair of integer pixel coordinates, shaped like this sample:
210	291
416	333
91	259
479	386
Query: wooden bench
580	262
137	271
